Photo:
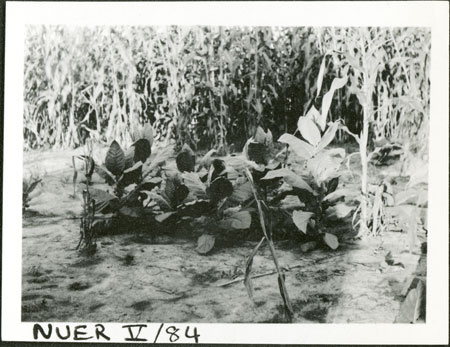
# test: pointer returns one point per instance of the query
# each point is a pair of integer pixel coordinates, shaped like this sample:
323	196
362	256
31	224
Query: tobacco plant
209	196
318	176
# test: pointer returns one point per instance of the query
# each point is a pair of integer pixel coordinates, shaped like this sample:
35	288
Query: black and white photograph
201	173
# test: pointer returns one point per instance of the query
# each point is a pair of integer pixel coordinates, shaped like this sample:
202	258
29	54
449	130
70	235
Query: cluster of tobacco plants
148	193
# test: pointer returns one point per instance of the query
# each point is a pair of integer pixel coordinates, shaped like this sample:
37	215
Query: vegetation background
211	87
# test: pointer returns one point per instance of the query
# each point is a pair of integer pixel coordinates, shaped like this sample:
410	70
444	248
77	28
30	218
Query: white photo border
432	14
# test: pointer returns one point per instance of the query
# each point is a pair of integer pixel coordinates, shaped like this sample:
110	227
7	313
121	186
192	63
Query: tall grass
209	86
389	76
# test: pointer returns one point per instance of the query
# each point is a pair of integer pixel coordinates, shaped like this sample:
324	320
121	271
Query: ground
141	277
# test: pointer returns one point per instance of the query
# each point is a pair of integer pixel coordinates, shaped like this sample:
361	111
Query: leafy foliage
28	186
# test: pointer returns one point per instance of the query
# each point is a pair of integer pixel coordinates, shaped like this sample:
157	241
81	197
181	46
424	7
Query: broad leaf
239	163
219	189
207	159
104	202
290	177
314	114
338	83
260	135
143	132
303	149
331	240
205	244
237	220
164	216
129	157
115	159
309	130
151	183
242	192
105	174
162	202
186	159
131	175
134	212
161	156
301	219
328	97
324	166
176	193
257	152
142	150
339	211
100	195
194	184
328	136
196	209
332	185
348	193
291	202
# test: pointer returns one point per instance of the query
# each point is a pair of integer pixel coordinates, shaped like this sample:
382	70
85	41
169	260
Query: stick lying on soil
285	269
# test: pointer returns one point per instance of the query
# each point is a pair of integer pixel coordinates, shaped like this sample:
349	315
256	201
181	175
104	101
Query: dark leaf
104	202
219	169
115	159
142	150
306	197
196	209
131	175
186	159
257	152
181	193
332	185
219	189
150	184
165	216
172	182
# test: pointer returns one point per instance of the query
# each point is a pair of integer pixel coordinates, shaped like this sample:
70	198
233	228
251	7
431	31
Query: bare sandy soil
143	277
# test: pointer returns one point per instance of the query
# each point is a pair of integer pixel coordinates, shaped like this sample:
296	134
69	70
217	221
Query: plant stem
284	293
367	109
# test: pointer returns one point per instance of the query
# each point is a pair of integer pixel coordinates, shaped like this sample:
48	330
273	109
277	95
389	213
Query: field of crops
200	161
